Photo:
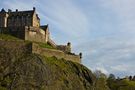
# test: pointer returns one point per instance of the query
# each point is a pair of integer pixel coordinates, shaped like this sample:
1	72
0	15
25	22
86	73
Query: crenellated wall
27	47
53	52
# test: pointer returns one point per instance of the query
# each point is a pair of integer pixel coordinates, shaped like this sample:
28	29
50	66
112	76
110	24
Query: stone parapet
54	52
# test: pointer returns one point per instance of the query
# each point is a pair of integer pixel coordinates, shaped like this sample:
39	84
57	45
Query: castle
26	25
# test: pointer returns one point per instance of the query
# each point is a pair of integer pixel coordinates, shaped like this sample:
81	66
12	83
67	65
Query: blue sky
102	29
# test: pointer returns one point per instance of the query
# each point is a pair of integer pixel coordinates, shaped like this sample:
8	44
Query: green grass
122	85
44	45
8	37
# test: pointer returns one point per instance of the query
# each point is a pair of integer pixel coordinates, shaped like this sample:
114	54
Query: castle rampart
54	52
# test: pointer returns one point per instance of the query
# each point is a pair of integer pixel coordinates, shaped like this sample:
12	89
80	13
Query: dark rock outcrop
22	70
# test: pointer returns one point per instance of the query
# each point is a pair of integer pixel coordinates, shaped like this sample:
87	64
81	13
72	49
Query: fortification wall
57	53
23	47
18	32
35	34
16	47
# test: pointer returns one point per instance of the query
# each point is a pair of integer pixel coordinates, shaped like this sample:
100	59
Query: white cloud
69	21
67	17
102	69
109	54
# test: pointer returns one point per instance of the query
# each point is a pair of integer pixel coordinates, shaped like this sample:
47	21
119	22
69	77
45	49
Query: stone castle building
26	25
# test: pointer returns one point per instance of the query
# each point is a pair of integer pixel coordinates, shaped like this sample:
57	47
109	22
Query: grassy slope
122	85
44	45
8	37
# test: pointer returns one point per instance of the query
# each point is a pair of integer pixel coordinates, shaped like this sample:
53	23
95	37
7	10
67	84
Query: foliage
7	37
111	77
21	70
121	84
99	74
101	83
44	45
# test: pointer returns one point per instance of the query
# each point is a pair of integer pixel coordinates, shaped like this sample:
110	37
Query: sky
103	30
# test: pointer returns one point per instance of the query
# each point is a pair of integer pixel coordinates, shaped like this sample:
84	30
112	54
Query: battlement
55	52
26	25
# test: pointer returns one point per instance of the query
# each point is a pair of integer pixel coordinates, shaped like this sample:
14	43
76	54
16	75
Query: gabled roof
3	10
44	27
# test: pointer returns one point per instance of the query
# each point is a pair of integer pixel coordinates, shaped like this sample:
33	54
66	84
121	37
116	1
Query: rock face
22	70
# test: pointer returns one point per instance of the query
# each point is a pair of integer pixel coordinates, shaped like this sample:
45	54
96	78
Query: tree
99	74
112	77
101	83
133	78
130	78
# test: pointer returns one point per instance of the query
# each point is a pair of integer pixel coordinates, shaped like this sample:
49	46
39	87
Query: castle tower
35	18
69	47
80	54
47	34
3	18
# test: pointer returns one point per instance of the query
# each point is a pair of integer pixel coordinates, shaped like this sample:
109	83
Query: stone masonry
26	25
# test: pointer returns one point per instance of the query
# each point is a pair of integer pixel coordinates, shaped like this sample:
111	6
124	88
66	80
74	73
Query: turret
9	10
3	18
80	54
34	9
69	47
69	44
16	10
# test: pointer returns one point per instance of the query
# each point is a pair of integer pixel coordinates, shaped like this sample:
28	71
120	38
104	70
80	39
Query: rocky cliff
22	70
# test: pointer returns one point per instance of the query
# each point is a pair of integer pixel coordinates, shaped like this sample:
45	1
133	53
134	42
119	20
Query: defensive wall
54	52
18	32
36	34
26	33
24	47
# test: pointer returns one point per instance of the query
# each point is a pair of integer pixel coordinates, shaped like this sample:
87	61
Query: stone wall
19	21
19	18
18	32
32	33
35	34
23	47
3	19
35	20
53	52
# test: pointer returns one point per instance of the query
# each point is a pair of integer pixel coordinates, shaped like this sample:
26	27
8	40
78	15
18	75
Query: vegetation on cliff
120	84
7	37
22	70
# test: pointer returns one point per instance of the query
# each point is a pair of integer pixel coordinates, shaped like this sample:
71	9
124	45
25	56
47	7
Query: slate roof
44	27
